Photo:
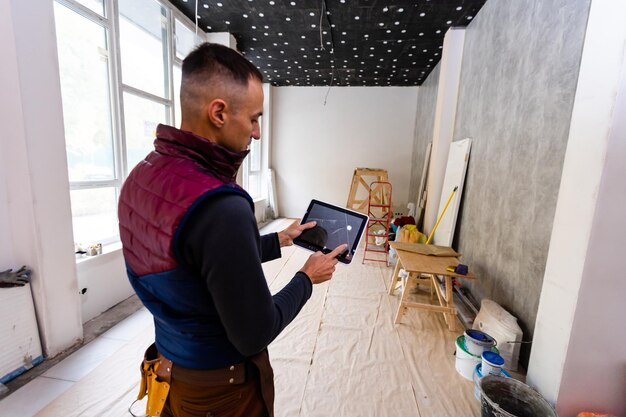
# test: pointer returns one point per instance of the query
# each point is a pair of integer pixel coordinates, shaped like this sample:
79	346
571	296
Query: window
115	91
120	77
252	174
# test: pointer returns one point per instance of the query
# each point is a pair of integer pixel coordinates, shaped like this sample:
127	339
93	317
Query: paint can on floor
478	375
478	342
465	361
492	363
507	397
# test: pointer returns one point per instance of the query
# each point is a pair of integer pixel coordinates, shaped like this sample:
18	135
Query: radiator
20	347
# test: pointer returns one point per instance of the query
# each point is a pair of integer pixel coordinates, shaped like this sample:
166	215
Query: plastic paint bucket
465	361
492	363
478	342
507	397
478	375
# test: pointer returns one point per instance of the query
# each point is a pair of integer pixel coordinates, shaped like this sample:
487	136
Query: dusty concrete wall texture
520	68
424	126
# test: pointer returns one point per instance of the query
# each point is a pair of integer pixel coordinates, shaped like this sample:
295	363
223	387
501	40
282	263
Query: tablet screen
335	225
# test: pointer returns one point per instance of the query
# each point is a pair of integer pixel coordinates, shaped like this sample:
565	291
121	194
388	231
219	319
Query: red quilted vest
162	188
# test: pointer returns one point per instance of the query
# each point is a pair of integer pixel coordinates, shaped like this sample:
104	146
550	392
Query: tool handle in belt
156	374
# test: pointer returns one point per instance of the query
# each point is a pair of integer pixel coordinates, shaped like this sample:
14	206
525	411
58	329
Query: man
193	250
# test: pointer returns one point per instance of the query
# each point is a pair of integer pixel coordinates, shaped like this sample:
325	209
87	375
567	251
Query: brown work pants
244	390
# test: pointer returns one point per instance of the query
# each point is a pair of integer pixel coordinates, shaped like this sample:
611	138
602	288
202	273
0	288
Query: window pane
254	185
255	155
94	5
177	80
186	39
141	117
143	28
83	67
94	214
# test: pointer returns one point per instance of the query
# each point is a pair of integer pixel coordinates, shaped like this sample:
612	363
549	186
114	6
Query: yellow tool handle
432	233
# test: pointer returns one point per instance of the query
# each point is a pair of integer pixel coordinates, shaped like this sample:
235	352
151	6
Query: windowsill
108	252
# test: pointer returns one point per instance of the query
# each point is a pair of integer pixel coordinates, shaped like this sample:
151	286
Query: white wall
315	148
578	355
104	280
33	167
445	115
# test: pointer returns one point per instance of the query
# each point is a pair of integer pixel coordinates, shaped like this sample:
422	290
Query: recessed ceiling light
356	17
422	14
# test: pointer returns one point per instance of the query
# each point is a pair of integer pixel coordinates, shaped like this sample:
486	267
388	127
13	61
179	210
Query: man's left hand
287	236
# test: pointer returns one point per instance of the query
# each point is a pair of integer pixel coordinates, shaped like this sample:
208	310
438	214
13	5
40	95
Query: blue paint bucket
478	342
492	363
478	375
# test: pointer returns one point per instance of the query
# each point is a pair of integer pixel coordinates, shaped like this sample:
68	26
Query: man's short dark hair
210	60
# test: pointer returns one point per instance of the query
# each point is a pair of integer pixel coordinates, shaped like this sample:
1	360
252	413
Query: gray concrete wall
424	125
519	75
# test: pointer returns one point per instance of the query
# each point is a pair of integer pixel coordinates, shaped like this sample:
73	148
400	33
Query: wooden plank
437	265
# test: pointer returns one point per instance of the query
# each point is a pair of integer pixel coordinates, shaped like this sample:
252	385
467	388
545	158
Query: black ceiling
365	42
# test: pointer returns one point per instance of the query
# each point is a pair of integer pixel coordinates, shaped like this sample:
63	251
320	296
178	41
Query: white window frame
110	22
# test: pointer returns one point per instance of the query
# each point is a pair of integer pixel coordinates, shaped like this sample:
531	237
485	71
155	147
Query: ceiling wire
324	12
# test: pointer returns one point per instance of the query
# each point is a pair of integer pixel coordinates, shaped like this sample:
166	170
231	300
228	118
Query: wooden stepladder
360	190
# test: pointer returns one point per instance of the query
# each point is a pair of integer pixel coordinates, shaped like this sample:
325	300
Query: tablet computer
335	225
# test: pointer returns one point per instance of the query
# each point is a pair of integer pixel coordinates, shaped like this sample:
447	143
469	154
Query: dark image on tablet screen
335	226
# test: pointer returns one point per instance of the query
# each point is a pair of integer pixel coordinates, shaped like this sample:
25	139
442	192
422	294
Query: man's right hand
320	267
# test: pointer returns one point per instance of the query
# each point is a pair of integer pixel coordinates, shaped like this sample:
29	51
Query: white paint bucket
492	363
478	342
465	361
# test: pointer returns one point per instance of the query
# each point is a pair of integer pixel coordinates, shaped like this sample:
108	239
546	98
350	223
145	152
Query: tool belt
156	378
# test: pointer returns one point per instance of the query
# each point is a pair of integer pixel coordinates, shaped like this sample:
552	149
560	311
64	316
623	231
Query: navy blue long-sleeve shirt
221	242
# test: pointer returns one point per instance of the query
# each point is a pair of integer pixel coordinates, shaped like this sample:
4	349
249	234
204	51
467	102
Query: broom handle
441	215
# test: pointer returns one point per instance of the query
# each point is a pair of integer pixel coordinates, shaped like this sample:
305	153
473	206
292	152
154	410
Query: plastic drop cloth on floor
341	357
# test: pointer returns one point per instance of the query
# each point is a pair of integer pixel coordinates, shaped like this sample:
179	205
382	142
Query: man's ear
216	112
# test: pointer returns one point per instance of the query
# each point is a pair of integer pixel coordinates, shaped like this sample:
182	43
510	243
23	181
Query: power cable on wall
324	12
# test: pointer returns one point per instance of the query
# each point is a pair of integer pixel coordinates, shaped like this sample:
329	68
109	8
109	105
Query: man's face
242	125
